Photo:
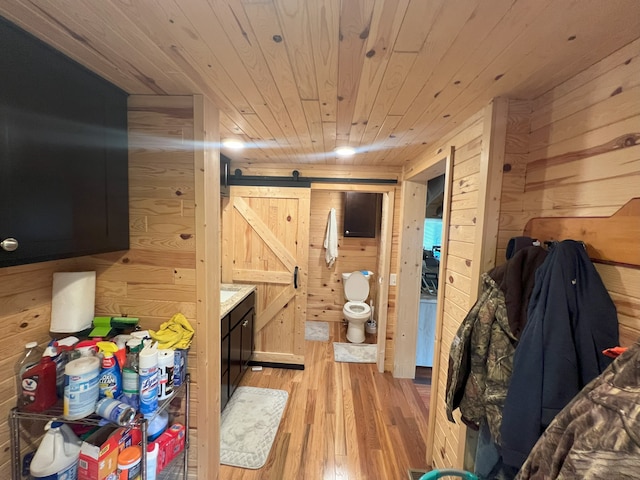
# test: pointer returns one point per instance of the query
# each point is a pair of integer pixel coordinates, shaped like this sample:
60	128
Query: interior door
265	242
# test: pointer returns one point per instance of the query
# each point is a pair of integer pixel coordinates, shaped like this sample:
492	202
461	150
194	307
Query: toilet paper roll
73	301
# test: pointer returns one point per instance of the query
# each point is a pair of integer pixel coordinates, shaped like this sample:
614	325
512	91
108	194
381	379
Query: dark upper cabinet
362	212
63	155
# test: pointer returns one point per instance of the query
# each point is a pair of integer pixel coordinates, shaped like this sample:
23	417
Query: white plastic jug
57	455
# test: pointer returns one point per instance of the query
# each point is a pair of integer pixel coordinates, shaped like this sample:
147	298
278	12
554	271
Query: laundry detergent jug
57	455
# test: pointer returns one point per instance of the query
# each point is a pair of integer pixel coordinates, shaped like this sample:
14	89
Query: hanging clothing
597	435
571	320
482	351
481	342
331	239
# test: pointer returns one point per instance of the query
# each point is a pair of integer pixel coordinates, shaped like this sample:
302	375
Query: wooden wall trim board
207	224
384	267
611	240
414	201
490	186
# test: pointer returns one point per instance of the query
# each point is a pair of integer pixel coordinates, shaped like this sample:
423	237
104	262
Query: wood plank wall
325	298
582	158
154	279
458	289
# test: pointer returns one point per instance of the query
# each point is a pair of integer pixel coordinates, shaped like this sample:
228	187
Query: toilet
356	311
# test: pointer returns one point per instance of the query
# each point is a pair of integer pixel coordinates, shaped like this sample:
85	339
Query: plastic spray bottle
59	350
110	382
130	381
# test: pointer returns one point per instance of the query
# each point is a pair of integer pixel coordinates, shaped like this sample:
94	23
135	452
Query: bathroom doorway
429	282
414	256
325	288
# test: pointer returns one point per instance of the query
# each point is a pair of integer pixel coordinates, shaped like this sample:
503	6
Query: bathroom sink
226	295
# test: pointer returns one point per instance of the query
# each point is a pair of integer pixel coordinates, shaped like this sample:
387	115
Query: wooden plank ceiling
296	78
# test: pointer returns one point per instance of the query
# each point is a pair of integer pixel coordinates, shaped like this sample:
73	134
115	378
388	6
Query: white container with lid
81	387
165	370
148	379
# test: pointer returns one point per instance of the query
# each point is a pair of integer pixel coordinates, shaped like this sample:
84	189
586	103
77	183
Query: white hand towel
331	239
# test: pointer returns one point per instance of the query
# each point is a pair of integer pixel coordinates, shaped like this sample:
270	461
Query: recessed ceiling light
345	151
233	144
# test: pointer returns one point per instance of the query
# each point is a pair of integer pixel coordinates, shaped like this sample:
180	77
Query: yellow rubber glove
174	333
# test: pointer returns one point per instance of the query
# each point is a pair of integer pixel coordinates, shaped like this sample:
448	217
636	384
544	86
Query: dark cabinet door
224	390
235	357
247	338
63	155
362	212
224	361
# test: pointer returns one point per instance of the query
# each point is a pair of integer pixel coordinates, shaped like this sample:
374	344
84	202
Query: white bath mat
316	331
355	352
248	426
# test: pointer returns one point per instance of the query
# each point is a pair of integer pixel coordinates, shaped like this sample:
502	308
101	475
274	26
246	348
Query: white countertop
242	292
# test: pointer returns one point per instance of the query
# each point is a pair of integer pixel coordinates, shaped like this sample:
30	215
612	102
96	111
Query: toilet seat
356	310
356	287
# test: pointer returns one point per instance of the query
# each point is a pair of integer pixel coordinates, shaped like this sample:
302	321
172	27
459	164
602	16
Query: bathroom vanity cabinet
237	325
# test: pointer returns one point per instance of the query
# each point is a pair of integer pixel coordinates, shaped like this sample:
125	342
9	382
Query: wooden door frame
384	252
414	198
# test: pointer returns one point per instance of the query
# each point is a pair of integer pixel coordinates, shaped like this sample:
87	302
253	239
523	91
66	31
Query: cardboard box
170	444
99	452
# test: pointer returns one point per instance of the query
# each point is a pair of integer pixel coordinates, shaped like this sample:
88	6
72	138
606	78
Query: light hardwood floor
343	421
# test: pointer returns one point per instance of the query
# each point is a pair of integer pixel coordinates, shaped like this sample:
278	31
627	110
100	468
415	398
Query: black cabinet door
235	357
247	338
362	213
224	390
63	155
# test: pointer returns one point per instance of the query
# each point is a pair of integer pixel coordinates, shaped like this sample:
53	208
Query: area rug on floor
316	331
248	426
355	352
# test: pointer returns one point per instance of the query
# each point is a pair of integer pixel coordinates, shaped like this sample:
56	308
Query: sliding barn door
265	243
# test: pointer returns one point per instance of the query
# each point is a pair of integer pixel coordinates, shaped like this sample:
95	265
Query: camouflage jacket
597	435
481	360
